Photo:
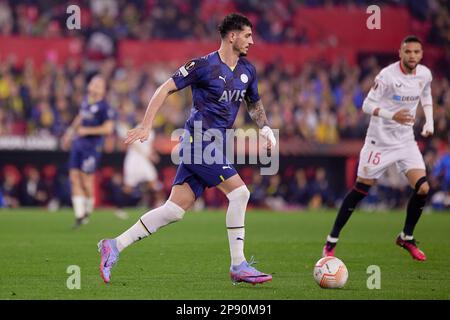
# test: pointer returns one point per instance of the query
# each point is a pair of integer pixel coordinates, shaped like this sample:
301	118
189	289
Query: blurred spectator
61	195
6	18
441	174
299	192
321	194
33	189
275	193
2	202
10	188
257	190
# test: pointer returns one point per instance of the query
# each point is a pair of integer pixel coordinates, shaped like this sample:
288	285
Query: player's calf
413	212
415	206
424	188
149	223
350	202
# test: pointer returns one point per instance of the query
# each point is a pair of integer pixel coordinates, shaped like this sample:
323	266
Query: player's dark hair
411	38
92	75
232	22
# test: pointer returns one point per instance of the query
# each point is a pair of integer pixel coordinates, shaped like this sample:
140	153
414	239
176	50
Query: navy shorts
199	172
84	157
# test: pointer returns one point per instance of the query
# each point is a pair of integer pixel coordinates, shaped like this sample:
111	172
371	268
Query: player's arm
104	129
426	101
142	131
74	126
257	113
70	132
372	104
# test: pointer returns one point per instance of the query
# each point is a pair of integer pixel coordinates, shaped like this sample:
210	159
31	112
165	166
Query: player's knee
173	212
422	187
75	182
184	202
88	189
241	194
363	187
74	178
183	196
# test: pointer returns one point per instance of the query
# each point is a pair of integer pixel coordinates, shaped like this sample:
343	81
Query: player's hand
66	140
138	133
268	135
82	131
428	129
404	117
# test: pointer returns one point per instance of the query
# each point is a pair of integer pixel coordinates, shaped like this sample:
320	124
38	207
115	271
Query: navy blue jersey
85	153
217	91
93	115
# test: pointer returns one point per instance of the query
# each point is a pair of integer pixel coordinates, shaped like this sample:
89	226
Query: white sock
135	233
90	205
236	238
405	237
235	219
78	203
332	240
149	223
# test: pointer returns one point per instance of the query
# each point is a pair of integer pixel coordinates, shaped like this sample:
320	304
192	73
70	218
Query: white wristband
383	113
267	133
428	112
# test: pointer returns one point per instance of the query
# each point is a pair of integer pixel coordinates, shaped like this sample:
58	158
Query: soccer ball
330	272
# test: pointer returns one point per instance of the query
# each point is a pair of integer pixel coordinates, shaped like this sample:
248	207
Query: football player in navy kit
86	133
220	82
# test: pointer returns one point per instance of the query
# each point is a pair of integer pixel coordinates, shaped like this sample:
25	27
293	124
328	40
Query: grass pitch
189	260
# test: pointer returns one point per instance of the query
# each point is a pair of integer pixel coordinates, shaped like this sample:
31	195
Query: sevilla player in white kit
138	167
392	103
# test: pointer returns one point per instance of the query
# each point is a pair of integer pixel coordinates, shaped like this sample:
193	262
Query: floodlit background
316	61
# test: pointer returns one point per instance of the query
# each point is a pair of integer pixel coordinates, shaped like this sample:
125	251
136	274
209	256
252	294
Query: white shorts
374	160
138	172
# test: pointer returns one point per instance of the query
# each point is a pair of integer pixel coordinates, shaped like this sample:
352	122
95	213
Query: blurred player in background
139	168
219	81
140	173
392	103
86	135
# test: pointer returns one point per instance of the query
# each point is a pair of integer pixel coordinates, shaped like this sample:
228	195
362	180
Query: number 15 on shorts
374	158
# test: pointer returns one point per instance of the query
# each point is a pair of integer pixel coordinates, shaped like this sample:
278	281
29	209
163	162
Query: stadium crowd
190	19
318	102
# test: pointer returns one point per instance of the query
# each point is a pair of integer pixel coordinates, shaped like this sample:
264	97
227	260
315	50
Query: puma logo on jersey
226	167
232	95
223	78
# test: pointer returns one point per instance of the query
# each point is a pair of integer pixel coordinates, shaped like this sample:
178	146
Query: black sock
351	200
413	212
